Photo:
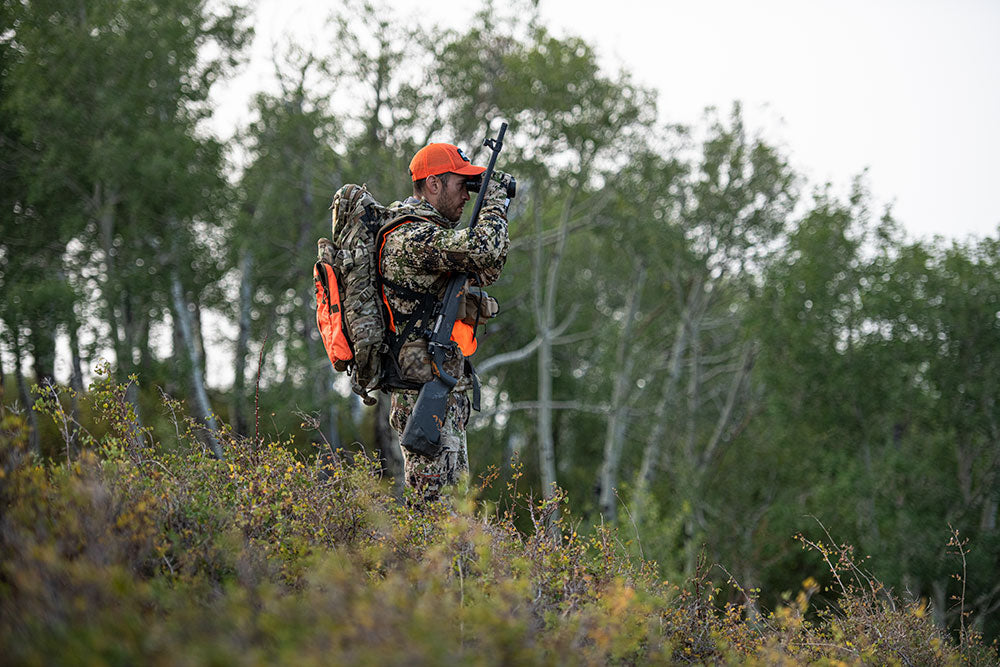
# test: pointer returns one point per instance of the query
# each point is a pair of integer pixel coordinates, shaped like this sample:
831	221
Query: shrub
134	552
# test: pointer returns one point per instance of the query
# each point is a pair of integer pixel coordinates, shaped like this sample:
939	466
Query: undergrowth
128	551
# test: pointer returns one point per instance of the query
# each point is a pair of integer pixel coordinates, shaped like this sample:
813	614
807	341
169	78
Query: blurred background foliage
695	342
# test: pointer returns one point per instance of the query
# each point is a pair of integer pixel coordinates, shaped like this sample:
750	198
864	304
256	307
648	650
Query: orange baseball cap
435	159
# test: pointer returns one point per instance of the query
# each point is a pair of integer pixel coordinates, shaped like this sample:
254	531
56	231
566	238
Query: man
416	261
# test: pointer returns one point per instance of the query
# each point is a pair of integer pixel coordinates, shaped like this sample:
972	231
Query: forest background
695	342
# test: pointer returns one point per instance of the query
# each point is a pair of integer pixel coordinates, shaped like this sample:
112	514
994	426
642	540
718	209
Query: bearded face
450	197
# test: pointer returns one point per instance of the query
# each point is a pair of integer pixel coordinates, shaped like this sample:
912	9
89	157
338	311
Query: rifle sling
470	370
393	374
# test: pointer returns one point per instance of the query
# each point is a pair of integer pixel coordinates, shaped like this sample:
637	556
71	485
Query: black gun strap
404	291
470	370
393	376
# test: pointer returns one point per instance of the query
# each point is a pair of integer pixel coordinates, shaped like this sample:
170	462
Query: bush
133	552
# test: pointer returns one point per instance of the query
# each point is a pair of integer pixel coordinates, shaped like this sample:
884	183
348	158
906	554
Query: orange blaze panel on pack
329	317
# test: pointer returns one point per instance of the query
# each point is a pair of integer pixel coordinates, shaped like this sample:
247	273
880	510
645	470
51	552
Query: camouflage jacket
421	256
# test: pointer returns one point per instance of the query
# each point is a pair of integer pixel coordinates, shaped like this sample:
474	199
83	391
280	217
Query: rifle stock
423	429
422	433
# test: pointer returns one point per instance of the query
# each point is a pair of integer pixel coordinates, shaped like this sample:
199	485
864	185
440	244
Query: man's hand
501	186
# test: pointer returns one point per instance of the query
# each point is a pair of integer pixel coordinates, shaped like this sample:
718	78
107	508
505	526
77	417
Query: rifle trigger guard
447	347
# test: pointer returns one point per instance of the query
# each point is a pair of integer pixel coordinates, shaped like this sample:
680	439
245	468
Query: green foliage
865	420
777	361
126	553
117	186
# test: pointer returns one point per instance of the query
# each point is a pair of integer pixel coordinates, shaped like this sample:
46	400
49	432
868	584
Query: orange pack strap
387	229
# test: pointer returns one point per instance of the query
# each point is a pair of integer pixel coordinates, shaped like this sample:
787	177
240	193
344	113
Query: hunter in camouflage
417	258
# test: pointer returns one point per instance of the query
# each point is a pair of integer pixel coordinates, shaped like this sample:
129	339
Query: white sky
909	89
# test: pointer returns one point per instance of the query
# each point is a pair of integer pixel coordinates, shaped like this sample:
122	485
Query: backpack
351	313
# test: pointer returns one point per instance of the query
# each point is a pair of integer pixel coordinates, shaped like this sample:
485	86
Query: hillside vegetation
129	551
699	343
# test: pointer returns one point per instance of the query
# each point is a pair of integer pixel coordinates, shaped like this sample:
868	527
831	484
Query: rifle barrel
496	145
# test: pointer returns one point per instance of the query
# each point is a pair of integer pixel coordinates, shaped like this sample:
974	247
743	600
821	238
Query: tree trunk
199	336
939	604
76	363
25	396
617	422
284	329
545	307
546	447
3	377
103	203
127	365
722	424
130	331
75	376
201	401
390	457
239	398
112	319
42	337
657	453
357	415
693	394
653	453
176	348
988	519
145	353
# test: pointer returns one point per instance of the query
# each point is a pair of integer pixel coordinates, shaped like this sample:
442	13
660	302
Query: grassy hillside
129	551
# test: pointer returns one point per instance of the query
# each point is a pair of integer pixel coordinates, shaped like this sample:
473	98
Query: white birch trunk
545	317
653	453
617	423
725	417
197	376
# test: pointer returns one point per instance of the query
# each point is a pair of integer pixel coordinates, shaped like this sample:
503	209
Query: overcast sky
909	89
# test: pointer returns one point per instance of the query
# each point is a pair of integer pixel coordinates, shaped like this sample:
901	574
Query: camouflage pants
427	476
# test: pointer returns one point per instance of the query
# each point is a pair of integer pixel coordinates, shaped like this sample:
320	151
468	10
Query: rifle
423	429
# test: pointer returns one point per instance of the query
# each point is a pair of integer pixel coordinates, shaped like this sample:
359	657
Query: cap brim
469	170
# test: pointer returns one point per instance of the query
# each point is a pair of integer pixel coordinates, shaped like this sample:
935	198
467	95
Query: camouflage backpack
350	311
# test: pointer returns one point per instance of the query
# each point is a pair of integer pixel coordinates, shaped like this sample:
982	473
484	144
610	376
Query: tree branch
509	357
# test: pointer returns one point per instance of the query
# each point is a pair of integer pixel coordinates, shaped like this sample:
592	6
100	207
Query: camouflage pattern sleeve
431	249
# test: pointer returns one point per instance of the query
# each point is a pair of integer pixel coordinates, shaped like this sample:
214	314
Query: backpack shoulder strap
384	231
426	303
380	237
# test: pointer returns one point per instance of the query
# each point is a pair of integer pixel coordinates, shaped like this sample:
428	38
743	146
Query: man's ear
432	186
